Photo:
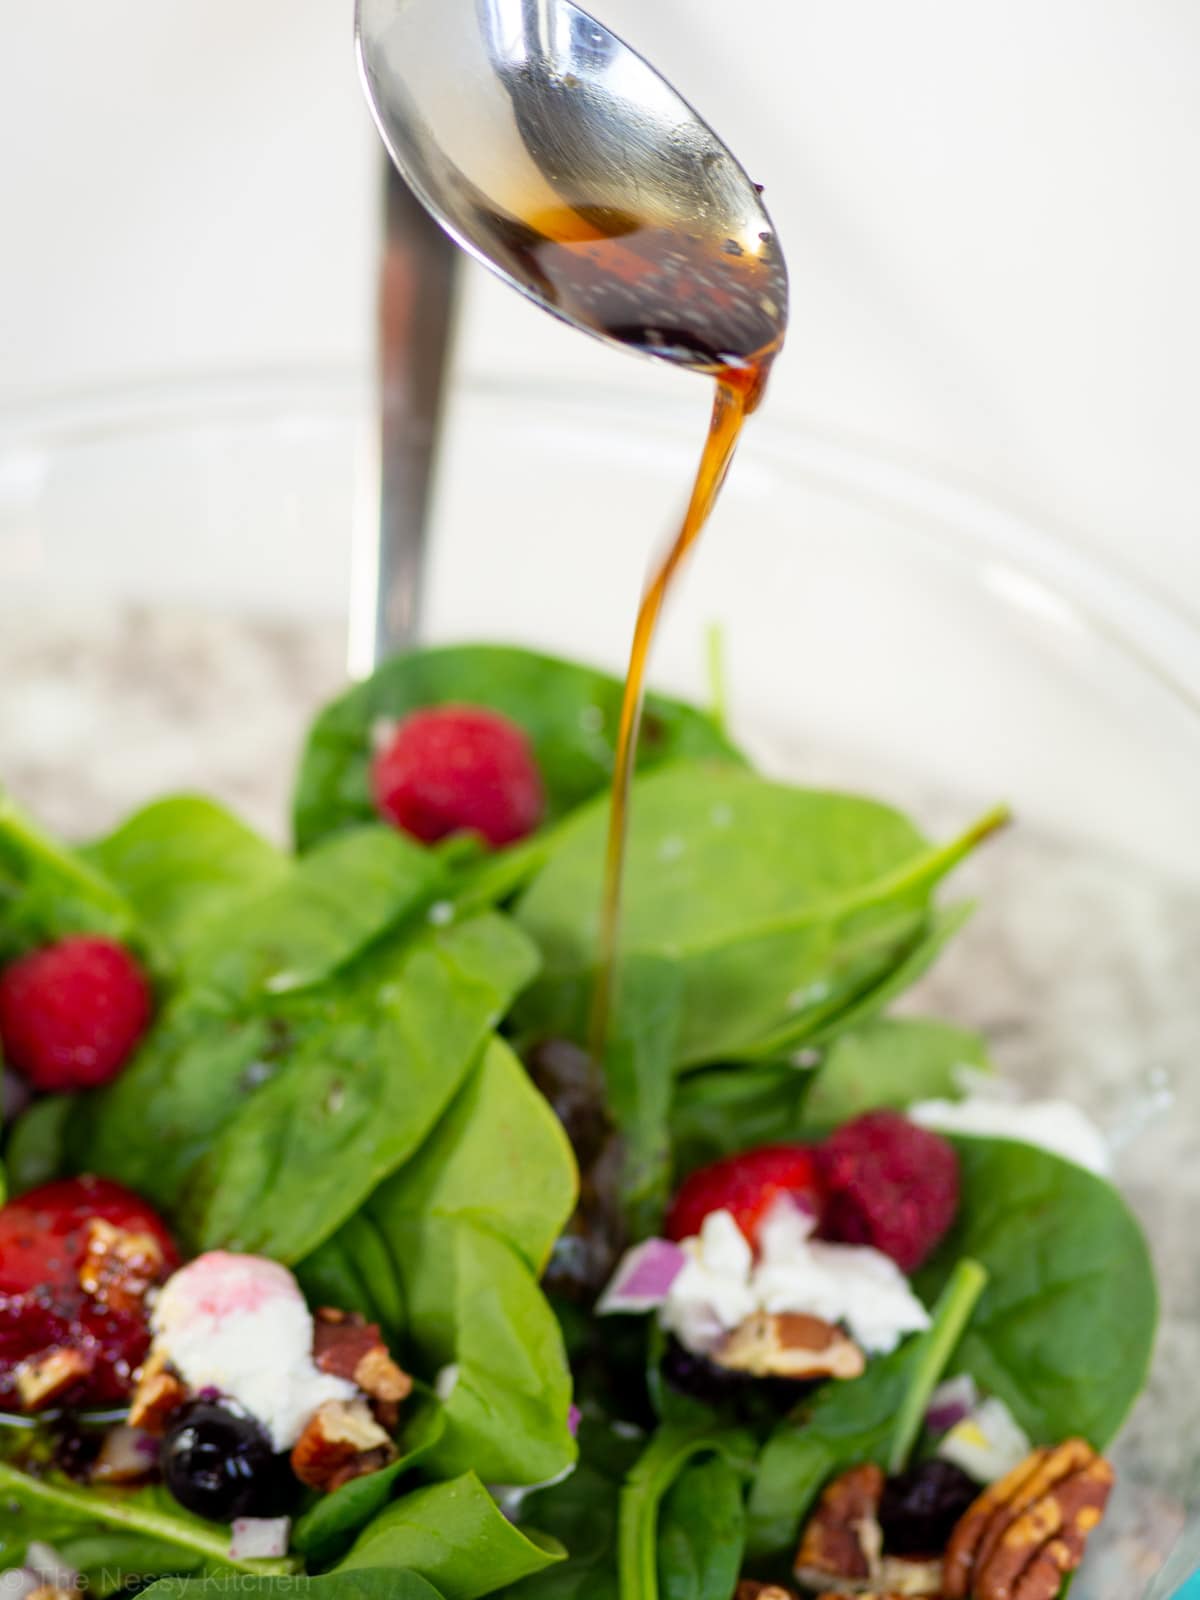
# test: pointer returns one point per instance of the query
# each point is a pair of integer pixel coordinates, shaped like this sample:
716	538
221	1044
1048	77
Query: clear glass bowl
177	566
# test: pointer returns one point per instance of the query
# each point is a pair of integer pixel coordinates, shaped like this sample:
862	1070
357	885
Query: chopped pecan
45	1378
118	1266
387	1415
157	1397
790	1345
341	1441
1026	1533
52	1591
1048	1540
842	1547
964	1546
348	1346
127	1455
911	1575
748	1589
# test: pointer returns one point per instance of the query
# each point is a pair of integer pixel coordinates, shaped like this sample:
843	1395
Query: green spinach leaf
194	1071
469	1223
499	1159
942	924
53	1510
570	713
723	1110
327	1529
265	1128
35	1152
181	861
890	1063
702	1533
369	1583
640	1083
581	1512
780	908
366	1079
673	1449
455	1535
474	1306
354	1270
306	925
48	892
1065	1331
866	1419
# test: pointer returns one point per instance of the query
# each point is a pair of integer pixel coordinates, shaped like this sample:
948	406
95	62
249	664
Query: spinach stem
673	1448
718	675
950	1317
134	1515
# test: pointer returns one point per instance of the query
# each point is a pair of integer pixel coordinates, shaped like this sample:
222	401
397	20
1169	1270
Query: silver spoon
531	132
559	158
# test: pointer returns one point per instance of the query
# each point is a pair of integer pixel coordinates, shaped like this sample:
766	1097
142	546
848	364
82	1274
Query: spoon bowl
558	157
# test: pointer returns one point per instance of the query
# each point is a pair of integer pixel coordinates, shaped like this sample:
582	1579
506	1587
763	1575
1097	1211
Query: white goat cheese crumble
240	1325
722	1285
1054	1125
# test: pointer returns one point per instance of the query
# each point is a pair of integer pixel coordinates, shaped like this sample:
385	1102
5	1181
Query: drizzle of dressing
739	391
653	288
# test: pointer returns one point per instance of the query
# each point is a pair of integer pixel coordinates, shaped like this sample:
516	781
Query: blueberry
922	1507
218	1463
701	1379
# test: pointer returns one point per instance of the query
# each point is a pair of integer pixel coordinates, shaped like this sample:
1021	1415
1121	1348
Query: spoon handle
418	276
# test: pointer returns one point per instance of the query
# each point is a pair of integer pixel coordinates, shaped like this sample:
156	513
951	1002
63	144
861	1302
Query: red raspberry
748	1186
890	1184
457	768
65	1286
72	1014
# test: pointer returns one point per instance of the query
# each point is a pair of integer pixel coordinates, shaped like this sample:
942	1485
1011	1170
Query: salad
330	1258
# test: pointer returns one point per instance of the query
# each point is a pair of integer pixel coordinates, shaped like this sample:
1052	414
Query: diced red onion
951	1403
15	1095
644	1277
574	1416
50	1566
18	1583
260	1538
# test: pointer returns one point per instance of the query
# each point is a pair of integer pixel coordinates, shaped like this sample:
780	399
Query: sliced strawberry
748	1185
454	769
76	1260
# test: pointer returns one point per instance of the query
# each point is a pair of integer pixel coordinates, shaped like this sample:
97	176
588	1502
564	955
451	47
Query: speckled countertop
101	711
1082	971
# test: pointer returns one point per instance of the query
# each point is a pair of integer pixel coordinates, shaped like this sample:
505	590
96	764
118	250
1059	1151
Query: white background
990	211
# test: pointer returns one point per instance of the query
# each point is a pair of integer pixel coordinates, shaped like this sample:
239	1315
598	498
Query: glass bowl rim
1040	563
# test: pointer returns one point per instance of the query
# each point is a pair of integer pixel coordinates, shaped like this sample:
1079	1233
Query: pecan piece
118	1266
157	1397
1057	1464
1048	1541
787	1344
748	1589
341	1441
1027	1532
842	1545
346	1345
911	1575
127	1455
965	1542
45	1378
